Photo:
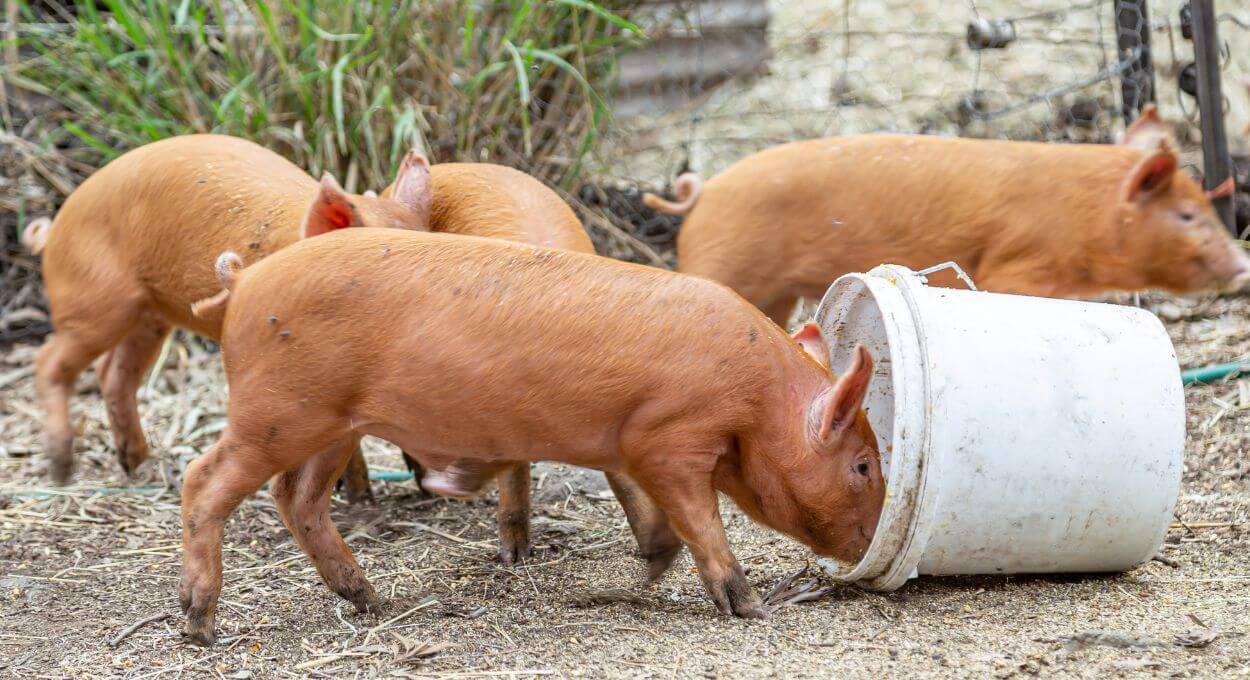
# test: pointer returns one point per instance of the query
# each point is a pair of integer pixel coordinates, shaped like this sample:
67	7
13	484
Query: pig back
496	337
483	199
799	215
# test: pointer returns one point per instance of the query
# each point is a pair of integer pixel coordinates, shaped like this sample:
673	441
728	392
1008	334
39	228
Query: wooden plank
699	47
684	61
708	16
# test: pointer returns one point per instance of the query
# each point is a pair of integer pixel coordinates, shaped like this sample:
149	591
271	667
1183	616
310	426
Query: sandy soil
78	567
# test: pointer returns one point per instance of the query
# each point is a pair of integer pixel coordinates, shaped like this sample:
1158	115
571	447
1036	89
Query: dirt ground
78	567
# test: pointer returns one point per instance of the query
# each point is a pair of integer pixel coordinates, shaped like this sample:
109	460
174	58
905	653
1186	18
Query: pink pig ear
836	409
812	341
1148	131
413	186
1152	174
1224	190
331	210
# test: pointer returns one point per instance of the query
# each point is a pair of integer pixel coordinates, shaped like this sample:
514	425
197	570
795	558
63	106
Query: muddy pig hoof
199	634
515	554
659	562
131	456
60	453
357	494
60	472
733	594
753	609
366	601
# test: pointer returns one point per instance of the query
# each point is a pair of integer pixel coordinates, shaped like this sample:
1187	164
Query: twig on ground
134	628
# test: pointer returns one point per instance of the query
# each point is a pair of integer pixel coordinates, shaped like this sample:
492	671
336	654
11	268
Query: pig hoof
366	601
754	609
198	635
514	536
513	554
131	455
658	563
60	453
60	472
357	495
733	594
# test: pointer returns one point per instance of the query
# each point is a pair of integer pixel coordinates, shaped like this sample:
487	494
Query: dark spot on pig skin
753	335
254	245
273	319
455	291
201	181
271	434
284	333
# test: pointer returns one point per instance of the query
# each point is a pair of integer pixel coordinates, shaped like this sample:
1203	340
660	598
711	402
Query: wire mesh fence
1034	70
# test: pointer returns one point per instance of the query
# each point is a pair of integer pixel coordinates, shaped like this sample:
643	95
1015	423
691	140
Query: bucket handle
949	265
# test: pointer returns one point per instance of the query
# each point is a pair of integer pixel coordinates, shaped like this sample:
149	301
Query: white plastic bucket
1018	434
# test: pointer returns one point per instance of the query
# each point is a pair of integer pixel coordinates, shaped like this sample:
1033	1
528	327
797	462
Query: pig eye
1187	216
862	468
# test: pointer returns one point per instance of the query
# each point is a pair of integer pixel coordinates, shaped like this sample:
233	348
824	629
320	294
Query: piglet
1058	220
467	349
483	199
133	247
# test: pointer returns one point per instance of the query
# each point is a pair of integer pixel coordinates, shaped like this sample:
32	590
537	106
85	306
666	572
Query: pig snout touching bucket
1018	434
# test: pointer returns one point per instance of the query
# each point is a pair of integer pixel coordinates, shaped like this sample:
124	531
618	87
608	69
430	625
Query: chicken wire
1036	70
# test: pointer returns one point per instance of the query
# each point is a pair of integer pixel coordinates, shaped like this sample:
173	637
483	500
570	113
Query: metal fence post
1216	163
1137	81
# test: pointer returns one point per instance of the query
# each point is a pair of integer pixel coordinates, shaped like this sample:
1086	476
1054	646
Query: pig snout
1232	273
866	532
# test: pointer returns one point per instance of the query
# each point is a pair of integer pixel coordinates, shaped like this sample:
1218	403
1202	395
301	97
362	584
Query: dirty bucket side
1057	431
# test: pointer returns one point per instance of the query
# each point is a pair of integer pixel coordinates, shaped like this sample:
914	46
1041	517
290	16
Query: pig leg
303	499
120	372
213	486
355	479
513	516
657	544
689	499
780	311
414	466
61	359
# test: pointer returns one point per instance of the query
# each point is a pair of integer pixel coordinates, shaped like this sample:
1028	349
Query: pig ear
413	186
1224	190
813	342
331	210
1152	174
1148	131
838	407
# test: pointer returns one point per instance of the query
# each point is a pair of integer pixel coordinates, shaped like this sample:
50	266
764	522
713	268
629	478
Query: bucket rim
895	550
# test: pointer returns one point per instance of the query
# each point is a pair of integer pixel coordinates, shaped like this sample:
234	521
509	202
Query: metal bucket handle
924	273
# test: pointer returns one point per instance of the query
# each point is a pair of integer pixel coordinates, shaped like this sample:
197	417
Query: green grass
344	87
